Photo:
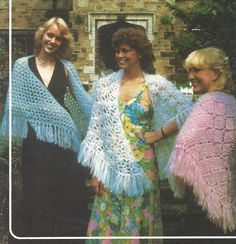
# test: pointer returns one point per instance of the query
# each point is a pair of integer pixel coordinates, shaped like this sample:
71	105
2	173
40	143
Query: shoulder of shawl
21	67
206	103
111	78
205	98
68	65
162	88
157	81
70	70
214	101
211	98
206	107
22	61
67	62
107	81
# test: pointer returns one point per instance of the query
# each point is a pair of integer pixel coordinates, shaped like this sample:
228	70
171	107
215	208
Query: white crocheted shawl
105	148
33	104
204	158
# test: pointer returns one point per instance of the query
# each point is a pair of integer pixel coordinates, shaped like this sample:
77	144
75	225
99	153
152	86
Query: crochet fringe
44	132
223	215
59	136
118	183
51	122
19	126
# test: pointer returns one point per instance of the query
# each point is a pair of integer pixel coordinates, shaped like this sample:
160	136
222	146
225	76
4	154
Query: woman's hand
164	132
153	136
97	186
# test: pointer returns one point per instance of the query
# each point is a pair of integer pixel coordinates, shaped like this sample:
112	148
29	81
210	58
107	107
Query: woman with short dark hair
132	111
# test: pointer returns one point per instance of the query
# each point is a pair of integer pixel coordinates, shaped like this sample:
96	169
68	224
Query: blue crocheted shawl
32	103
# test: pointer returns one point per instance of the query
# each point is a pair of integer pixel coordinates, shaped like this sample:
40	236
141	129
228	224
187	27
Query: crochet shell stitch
106	150
204	158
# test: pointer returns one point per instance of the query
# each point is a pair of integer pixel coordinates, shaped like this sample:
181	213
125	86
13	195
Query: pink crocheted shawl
204	158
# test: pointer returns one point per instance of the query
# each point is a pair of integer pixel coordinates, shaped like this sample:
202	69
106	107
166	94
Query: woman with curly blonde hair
204	156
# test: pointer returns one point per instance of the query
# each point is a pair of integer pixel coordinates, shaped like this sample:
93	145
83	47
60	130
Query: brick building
88	18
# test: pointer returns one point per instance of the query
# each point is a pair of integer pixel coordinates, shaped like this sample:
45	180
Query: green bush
4	69
4	82
207	23
17	52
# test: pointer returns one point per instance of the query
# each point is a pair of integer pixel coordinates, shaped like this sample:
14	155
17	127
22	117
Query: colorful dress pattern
117	215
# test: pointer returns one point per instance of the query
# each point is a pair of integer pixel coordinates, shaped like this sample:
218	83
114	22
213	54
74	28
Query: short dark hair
136	38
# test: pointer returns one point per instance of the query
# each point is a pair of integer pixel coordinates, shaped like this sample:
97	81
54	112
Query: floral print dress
118	215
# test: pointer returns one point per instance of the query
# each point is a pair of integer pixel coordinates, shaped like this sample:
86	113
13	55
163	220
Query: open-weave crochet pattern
204	158
32	103
105	148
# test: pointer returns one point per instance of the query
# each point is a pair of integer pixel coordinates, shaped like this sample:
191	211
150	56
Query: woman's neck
132	74
45	60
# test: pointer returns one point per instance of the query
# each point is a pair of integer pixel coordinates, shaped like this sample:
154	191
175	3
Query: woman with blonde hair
215	60
55	198
204	156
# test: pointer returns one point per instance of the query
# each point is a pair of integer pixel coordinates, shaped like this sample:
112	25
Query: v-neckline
40	77
130	101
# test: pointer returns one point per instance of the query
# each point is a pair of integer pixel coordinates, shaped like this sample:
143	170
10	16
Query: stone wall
146	13
85	19
4	10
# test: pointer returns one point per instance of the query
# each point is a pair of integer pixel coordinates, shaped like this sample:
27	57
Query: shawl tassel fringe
118	183
44	132
222	214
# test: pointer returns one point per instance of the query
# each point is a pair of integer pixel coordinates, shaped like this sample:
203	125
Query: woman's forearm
164	132
169	129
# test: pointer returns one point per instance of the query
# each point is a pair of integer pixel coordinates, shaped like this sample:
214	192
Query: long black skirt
55	195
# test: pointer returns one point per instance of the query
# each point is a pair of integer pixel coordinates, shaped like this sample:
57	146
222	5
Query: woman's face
202	79
127	57
51	40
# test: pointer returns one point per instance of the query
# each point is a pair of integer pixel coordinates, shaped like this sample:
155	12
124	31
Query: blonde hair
65	49
212	58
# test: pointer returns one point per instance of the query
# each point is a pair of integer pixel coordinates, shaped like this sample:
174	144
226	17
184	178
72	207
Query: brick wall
4	14
31	14
161	44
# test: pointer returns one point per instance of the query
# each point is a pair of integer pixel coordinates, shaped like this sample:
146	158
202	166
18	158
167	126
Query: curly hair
136	38
66	47
212	58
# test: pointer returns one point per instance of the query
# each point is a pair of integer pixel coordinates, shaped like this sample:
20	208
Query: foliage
17	52
207	23
166	19
79	19
4	67
3	153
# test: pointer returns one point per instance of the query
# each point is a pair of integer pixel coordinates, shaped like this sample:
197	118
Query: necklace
44	62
